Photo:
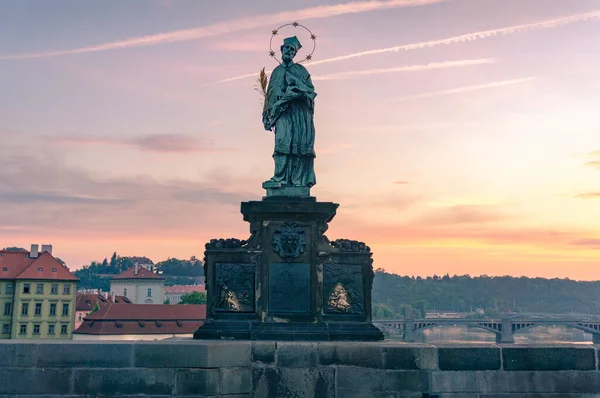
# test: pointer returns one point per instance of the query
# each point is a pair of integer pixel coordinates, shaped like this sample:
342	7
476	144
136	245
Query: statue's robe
292	119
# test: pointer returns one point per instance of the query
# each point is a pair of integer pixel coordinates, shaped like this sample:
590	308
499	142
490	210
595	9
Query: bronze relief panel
234	284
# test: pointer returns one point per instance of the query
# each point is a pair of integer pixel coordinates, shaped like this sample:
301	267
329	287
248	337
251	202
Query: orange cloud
589	195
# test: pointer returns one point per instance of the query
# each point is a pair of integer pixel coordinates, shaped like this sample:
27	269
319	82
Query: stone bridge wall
268	369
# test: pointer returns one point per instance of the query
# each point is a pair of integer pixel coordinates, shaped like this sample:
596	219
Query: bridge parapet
244	369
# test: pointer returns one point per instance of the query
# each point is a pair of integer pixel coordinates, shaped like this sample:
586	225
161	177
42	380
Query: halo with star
294	24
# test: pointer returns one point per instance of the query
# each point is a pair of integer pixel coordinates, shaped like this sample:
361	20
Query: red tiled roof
87	302
50	269
151	312
13	262
18	265
144	319
137	327
122	300
184	289
143	273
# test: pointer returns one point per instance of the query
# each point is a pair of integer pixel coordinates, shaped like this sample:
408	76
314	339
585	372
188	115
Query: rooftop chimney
33	253
136	269
47	248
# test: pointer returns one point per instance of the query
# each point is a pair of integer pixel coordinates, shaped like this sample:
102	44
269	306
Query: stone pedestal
288	281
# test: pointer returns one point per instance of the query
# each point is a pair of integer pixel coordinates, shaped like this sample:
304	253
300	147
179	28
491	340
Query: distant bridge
504	329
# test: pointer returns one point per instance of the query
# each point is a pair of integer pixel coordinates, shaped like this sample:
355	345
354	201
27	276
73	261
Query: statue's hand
267	123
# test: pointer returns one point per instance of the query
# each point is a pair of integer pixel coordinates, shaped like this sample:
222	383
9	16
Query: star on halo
295	24
274	32
313	36
271	53
308	57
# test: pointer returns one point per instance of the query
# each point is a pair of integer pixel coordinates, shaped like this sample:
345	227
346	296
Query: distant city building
141	322
37	295
143	262
449	315
174	293
139	285
86	304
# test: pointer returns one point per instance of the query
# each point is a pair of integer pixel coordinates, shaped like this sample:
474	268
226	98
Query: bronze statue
289	110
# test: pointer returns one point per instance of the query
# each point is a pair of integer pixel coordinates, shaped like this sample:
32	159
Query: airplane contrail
220	28
462	89
410	68
551	23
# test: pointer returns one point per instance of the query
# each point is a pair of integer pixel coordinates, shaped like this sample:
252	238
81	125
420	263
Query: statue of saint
289	110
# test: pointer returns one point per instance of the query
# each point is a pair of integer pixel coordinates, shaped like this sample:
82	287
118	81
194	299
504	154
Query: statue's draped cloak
294	126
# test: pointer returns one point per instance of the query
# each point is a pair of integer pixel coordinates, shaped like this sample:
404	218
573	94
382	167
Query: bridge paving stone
548	358
293	382
360	378
297	355
192	354
104	381
235	381
113	354
36	381
368	355
16	355
410	356
263	351
465	357
406	380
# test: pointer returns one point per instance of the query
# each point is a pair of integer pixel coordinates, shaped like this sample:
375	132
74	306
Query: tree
167	301
15	249
193	298
113	261
96	308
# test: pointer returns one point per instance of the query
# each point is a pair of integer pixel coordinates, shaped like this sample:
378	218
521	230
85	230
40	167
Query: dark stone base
227	330
334	331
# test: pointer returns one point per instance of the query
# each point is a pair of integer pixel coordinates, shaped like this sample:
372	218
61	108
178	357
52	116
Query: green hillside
394	295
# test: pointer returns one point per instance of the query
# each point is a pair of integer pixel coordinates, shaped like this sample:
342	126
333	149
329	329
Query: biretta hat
293	41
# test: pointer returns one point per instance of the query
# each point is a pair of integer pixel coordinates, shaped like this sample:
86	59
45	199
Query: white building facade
139	285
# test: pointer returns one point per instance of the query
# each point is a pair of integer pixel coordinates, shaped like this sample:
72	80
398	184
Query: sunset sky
458	136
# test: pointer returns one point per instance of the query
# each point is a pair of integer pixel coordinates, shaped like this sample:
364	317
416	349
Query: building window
6	328
149	292
53	269
54	289
65	309
50	329
36	329
63	329
40	288
23	329
9	288
25	309
26	288
125	292
53	309
40	269
66	289
38	308
7	308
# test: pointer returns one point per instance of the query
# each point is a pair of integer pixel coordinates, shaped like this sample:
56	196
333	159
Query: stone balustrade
238	369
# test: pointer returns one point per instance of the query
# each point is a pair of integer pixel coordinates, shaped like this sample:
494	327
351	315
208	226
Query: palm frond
261	84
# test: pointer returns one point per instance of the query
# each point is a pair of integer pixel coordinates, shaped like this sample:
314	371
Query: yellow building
37	295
